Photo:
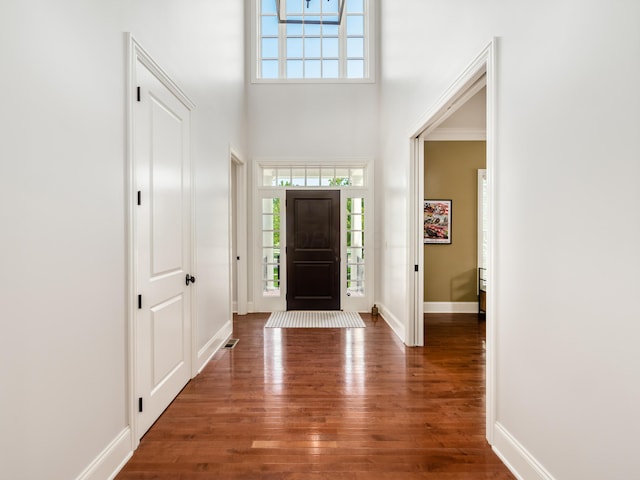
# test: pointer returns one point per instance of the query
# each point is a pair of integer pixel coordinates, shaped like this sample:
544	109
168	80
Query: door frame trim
136	53
483	65
240	199
482	175
258	191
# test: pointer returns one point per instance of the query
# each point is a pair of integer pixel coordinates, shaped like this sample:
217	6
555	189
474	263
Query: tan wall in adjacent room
451	172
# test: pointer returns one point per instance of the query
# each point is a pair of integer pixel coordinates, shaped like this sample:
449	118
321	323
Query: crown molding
457	134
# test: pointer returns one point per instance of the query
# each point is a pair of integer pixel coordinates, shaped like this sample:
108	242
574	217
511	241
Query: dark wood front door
313	250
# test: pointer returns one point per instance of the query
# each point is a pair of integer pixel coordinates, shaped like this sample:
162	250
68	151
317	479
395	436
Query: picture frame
437	222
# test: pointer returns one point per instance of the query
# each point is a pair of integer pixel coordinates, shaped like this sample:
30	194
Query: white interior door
162	225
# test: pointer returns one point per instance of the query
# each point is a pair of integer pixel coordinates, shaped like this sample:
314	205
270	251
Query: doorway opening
353	186
451	255
238	234
479	74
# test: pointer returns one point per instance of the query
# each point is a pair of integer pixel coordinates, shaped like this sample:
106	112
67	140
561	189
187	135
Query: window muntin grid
355	215
271	229
312	51
269	39
313	176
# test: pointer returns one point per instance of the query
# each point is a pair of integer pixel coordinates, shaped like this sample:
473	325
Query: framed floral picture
437	221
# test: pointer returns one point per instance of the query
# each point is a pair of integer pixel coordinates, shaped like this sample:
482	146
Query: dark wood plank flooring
335	404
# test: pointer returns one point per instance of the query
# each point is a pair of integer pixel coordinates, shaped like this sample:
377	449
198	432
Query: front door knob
190	279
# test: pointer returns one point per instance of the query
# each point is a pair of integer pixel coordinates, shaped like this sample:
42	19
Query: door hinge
139	197
140	404
415	268
138	93
139	302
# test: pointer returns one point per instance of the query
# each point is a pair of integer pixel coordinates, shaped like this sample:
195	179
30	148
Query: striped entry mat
314	319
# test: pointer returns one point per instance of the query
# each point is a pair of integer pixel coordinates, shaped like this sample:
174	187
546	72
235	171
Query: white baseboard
111	460
450	307
517	459
396	325
213	345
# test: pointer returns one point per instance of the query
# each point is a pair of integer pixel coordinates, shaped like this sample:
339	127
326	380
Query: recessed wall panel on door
313	250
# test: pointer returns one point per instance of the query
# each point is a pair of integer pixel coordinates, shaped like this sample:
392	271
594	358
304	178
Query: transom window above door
313	176
313	40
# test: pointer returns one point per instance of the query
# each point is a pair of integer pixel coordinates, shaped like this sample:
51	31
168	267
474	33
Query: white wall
62	210
313	120
567	256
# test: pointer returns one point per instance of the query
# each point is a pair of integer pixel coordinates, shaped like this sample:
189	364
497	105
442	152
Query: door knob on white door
190	279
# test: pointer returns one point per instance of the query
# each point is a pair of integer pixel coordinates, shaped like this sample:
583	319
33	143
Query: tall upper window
313	39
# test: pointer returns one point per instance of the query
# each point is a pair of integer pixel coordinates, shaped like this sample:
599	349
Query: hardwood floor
335	404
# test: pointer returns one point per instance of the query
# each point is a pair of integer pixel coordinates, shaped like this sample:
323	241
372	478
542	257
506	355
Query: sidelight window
271	246
355	247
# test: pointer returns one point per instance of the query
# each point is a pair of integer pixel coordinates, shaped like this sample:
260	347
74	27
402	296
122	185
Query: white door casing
482	217
265	191
238	233
479	73
162	244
